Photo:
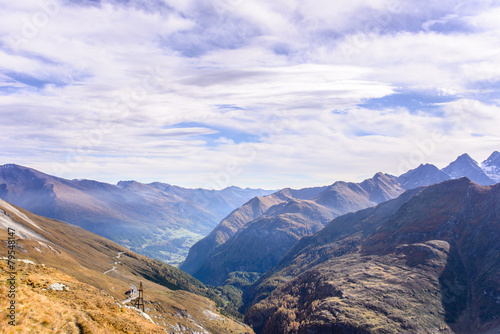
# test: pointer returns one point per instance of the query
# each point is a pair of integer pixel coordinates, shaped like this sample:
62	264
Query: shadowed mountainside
254	237
427	261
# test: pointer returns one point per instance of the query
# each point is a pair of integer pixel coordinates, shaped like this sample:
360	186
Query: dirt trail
114	262
110	270
135	292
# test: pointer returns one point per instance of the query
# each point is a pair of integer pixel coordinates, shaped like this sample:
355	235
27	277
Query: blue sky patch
486	91
412	100
27	80
222	132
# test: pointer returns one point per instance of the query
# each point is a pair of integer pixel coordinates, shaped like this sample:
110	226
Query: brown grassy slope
354	294
88	258
82	309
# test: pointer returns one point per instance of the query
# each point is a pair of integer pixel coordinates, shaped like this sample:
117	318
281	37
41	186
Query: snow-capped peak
491	166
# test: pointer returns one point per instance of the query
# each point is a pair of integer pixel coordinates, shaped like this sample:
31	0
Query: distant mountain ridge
158	220
423	175
254	237
163	221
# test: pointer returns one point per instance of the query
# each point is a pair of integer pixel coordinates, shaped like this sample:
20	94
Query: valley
158	220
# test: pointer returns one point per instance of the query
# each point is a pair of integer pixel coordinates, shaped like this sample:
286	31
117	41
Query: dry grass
79	259
82	309
377	295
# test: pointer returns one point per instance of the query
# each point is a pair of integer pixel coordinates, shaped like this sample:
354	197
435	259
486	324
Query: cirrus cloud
252	93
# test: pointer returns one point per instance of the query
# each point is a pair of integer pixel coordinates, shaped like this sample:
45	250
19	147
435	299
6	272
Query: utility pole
139	301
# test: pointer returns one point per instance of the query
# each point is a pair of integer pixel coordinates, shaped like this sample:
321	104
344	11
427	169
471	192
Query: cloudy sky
258	93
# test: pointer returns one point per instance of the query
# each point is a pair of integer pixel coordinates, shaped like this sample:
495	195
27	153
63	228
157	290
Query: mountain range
425	262
254	237
93	274
163	221
159	220
415	253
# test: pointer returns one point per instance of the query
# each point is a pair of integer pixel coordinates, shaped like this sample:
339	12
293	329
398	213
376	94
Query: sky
252	93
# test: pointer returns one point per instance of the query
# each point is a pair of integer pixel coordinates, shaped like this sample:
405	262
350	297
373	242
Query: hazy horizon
214	184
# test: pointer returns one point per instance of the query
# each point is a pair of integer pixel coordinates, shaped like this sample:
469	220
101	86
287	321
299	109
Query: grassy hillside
81	309
93	262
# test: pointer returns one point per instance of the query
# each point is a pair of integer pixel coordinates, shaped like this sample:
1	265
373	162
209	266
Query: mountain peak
14	166
230	188
427	167
423	175
494	156
464	165
9	166
466	157
124	184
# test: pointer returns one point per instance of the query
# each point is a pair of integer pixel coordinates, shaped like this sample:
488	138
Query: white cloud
95	84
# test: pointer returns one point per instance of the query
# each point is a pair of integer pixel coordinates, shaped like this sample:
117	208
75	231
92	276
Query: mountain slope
79	308
260	245
97	264
346	197
228	247
338	237
158	220
491	166
465	166
254	208
339	198
254	237
427	261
